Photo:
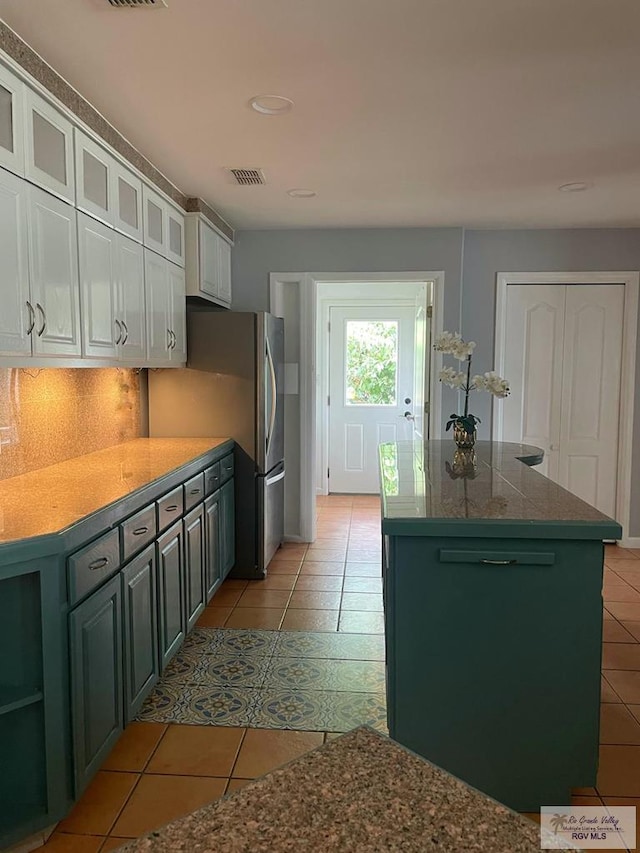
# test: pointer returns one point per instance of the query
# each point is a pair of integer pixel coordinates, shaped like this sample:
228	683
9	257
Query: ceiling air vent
139	4
248	177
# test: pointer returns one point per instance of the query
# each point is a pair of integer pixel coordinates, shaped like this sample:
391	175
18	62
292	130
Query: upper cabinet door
94	189
175	236
178	325
101	331
209	259
126	192
155	221
53	255
158	308
49	156
224	275
130	305
17	318
12	92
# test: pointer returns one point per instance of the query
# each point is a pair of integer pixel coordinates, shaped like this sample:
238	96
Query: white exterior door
371	388
563	359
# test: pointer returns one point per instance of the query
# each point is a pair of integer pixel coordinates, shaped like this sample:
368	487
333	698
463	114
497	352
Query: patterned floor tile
308	710
320	674
200	704
230	640
324	645
348	710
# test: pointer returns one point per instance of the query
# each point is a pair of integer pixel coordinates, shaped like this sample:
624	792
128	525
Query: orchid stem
466	396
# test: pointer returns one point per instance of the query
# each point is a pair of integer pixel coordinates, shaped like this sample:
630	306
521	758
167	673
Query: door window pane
49	148
371	362
6	119
95	180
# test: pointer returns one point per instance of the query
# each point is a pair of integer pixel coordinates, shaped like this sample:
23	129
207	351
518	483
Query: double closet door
563	353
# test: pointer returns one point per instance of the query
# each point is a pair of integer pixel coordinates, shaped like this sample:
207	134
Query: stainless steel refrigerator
233	386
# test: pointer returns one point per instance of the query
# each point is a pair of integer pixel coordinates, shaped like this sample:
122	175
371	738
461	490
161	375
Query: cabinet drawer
138	531
170	507
212	479
498	558
193	491
226	468
92	565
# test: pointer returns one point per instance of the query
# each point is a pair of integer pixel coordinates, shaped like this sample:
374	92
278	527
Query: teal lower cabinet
493	660
212	539
139	606
35	784
95	638
227	528
194	562
171	609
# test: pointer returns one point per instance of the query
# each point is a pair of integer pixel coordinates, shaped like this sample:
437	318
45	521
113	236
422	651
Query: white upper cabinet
178	315
127	202
49	147
158	308
17	316
208	261
53	256
130	305
12	92
175	236
98	286
155	221
94	182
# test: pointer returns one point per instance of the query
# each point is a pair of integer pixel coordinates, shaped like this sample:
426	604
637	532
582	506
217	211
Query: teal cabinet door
212	574
95	640
194	565
139	592
228	528
171	621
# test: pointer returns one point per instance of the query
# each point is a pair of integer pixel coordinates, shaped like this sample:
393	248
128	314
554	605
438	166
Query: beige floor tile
626	566
339	537
214	617
310	620
363	570
359	622
632	579
233	583
197	751
618	725
626	684
364	555
274	582
368	601
329	583
606	614
135	747
296	549
113	843
237	784
100	804
267	618
620	592
311	599
621	656
253	597
352	584
226	597
160	799
635	710
264	749
61	842
334	500
322	568
634	802
607	693
616	552
284	567
614	632
623	611
579	800
619	771
323	545
325	555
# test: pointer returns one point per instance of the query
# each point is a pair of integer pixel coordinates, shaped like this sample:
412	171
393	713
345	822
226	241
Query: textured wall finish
47	416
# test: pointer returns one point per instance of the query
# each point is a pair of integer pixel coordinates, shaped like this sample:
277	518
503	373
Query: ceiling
407	113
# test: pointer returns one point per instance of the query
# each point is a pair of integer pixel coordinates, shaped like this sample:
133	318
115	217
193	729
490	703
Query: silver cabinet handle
118	326
126	332
40	331
100	563
173	339
275	479
168	338
499	562
32	317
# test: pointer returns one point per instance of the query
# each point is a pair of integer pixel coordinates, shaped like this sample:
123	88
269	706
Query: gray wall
470	260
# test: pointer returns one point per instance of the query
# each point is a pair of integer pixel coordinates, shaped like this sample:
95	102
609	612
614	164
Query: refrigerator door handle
275	479
272	378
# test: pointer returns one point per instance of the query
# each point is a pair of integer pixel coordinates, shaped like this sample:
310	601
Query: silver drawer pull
140	530
194	492
171	508
98	564
499	562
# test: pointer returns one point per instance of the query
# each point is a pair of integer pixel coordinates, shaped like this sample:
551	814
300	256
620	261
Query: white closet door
588	455
533	366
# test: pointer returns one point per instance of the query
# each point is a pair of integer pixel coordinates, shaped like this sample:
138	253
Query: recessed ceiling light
300	193
575	187
271	105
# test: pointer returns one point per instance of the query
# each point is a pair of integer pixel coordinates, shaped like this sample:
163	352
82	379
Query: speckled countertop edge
360	793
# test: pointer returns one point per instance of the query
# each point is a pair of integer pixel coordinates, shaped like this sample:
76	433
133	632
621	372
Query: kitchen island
493	618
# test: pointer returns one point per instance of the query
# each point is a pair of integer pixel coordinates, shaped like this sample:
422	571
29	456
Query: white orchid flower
452	377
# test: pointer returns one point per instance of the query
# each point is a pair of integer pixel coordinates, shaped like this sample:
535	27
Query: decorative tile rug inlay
273	680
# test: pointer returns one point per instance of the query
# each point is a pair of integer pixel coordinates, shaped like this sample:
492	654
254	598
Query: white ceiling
407	112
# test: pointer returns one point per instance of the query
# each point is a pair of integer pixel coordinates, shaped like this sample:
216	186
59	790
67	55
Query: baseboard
630	542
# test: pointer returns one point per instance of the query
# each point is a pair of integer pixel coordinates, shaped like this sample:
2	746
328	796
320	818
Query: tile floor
158	771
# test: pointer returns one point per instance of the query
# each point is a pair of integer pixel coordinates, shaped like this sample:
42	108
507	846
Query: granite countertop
51	499
434	481
361	793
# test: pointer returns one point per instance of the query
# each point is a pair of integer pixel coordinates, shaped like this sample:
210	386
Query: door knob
407	400
408	416
554	447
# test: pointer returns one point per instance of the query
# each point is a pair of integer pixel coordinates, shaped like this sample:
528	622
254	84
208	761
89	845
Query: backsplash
47	416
